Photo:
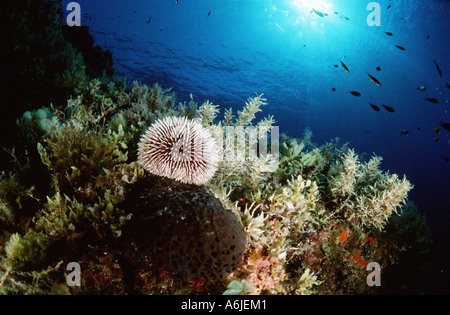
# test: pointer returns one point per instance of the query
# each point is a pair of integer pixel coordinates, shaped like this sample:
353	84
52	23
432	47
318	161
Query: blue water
228	50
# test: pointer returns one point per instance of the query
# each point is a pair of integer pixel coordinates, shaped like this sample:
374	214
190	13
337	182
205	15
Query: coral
180	149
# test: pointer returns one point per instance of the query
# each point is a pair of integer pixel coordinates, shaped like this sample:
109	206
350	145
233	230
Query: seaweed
312	225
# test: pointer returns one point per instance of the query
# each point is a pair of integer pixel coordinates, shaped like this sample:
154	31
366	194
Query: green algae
312	225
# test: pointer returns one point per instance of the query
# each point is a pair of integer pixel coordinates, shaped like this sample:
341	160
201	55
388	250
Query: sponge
186	229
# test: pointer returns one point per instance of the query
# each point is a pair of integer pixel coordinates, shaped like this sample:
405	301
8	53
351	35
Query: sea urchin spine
179	148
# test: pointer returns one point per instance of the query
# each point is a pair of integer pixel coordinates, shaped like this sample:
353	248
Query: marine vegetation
311	226
304	219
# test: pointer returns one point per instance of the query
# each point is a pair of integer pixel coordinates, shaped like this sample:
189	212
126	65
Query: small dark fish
378	68
345	67
333	89
389	6
428	37
209	13
444	125
336	66
404	132
318	13
418	128
375	107
336	12
438	69
346	18
422	88
354	93
400	47
436	139
436	130
446	85
176	1
149	20
446	158
389	109
389	33
432	100
374	80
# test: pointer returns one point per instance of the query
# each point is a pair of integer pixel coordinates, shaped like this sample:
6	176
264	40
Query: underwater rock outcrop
184	229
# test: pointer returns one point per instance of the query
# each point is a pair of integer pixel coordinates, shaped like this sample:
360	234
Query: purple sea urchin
179	148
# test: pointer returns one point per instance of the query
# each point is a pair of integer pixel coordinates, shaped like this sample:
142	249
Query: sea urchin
179	148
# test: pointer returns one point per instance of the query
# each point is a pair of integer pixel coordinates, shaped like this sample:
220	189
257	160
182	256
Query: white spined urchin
179	148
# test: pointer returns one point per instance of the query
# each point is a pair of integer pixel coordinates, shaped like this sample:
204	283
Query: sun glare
308	5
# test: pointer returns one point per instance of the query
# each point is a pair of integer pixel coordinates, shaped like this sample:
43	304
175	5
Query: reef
309	227
72	190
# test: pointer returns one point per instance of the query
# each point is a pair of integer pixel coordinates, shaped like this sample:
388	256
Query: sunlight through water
320	6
